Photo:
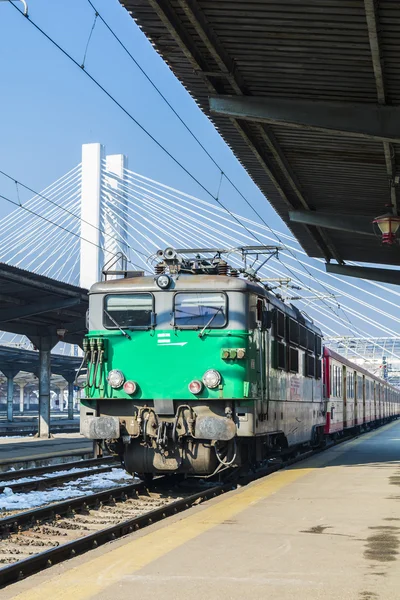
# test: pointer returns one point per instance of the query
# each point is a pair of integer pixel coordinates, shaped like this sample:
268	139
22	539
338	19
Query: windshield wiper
118	325
210	321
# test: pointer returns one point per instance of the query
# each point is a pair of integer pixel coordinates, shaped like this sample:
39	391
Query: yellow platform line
87	580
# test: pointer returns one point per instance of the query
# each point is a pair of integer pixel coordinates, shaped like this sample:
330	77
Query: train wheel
147	478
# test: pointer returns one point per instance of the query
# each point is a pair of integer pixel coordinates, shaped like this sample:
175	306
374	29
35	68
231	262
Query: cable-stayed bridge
101	208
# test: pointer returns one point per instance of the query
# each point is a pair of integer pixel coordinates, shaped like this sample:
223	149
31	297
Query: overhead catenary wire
161	146
212	219
39	195
214	239
250	238
140	125
22	238
274	233
46	234
55	224
8	223
190	227
156	88
185	125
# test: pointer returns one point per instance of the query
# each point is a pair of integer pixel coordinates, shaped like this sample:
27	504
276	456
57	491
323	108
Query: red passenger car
354	397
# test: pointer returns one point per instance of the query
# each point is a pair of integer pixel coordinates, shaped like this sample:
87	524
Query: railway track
54	474
38	538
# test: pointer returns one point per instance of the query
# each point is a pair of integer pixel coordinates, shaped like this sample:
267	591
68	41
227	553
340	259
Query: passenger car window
198	310
128	310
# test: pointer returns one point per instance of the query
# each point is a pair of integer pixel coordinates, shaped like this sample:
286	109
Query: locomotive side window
281	355
294	332
310	365
195	310
303	337
278	324
318	368
128	310
293	360
310	341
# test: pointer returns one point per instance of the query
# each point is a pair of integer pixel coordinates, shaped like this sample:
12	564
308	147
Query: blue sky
49	108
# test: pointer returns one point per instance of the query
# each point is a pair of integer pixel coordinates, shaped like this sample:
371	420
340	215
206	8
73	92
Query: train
201	369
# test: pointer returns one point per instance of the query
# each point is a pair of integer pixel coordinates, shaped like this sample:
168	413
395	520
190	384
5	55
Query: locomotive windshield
197	310
128	310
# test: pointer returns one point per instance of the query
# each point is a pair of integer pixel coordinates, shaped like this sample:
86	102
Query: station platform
25	450
326	528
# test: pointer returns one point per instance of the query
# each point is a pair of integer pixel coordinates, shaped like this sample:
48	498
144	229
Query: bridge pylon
103	231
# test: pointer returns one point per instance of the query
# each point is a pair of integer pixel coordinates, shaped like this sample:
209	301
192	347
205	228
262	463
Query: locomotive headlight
163	281
130	387
195	386
115	378
211	378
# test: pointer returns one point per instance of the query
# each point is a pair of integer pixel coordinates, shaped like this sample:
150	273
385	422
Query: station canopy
38	307
307	95
27	361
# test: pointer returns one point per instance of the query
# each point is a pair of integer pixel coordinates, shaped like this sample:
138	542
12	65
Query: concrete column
91	260
44	344
71	399
10	398
115	223
61	390
78	399
44	389
10	374
22	385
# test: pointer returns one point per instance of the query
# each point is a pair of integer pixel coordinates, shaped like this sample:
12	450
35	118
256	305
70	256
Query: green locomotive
196	369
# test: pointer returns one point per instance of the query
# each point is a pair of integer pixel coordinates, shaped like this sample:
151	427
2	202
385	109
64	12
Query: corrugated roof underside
318	49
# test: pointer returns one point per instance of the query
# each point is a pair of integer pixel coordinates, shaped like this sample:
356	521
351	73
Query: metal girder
36	308
9	273
353	223
75	326
10	299
215	48
373	121
21	328
383	275
373	36
215	83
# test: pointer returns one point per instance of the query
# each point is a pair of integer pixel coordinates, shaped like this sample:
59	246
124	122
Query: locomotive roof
191	283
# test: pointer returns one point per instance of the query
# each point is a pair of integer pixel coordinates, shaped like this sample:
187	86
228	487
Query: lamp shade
388	225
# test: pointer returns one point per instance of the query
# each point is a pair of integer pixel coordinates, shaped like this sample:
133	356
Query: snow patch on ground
43	476
80	487
20	436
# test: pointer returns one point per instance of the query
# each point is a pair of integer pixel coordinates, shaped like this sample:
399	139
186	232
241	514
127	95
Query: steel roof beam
383	275
212	43
75	326
25	278
372	121
373	35
353	223
36	308
371	17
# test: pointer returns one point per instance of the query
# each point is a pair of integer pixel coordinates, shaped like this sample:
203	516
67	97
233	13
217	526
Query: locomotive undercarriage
193	439
197	439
